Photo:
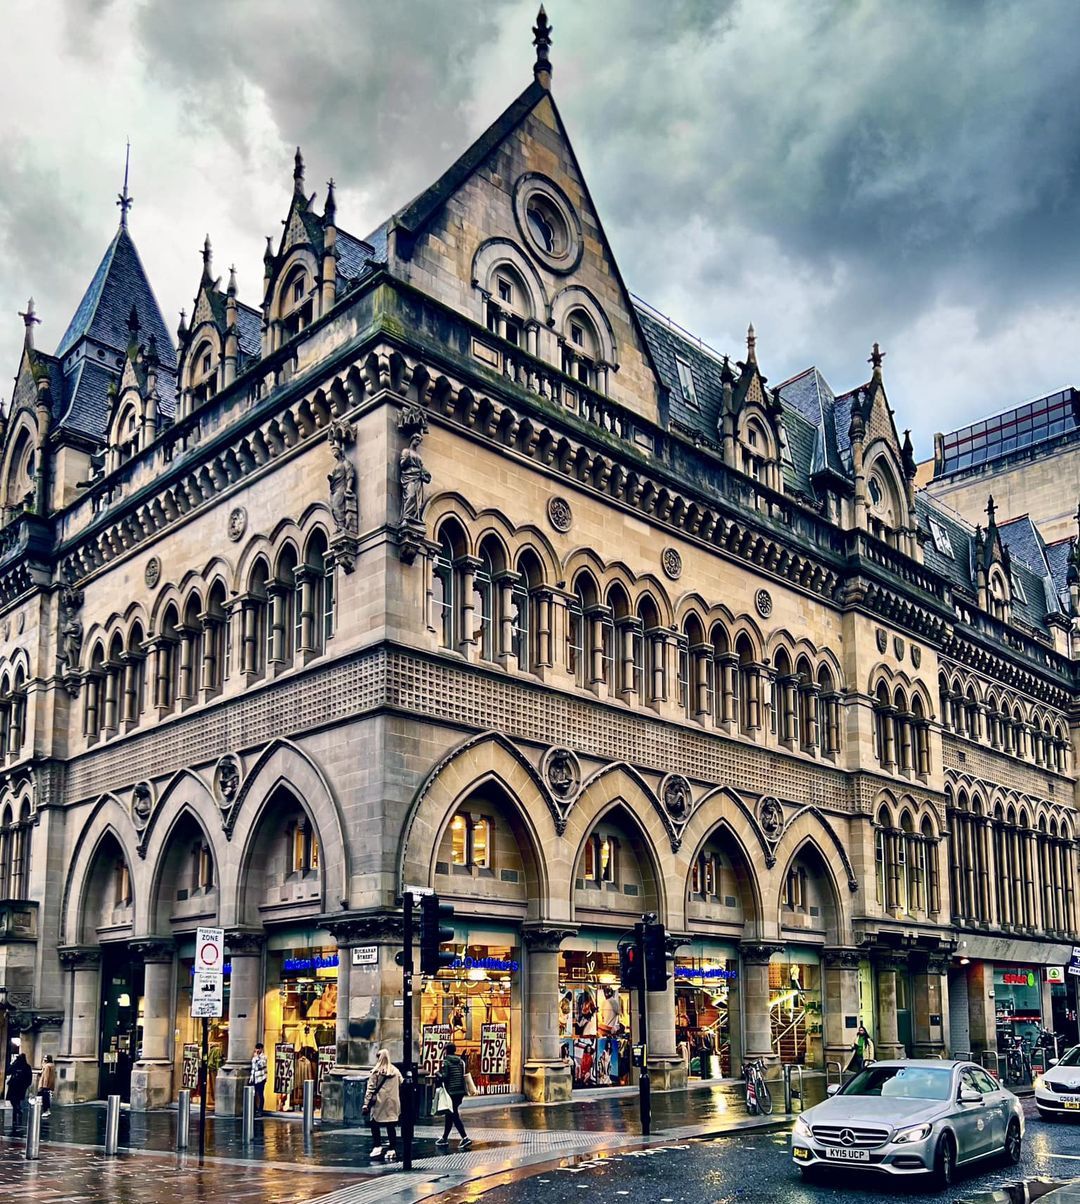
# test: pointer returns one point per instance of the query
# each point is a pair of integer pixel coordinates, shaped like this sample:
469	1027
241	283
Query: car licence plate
848	1155
1073	1105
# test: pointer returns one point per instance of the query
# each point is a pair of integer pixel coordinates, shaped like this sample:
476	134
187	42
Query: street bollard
33	1130
309	1105
183	1119
112	1126
787	1087
249	1115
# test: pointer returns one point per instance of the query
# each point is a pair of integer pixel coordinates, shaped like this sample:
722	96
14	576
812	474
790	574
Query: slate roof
811	396
1057	557
352	255
668	343
87	405
119	282
249	331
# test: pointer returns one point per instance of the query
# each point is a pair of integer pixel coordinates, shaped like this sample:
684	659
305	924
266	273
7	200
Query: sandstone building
450	564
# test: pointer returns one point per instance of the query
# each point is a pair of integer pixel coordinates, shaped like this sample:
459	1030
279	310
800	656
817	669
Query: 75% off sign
207	989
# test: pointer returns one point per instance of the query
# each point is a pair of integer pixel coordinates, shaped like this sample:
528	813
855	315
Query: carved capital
79	957
154	949
758	954
365	928
546	938
244	942
841	959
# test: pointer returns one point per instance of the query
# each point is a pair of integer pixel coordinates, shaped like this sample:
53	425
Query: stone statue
344	505
413	477
142	804
71	629
228	779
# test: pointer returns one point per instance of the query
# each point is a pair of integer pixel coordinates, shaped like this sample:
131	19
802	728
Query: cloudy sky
835	172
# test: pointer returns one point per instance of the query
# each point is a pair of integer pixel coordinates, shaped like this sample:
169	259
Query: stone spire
542	41
124	199
298	173
876	356
207	260
330	208
30	320
751	345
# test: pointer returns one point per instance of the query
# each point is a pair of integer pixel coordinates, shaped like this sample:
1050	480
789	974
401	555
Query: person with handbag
382	1105
453	1081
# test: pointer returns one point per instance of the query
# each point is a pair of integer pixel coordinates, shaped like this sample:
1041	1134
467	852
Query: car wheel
945	1161
1013	1143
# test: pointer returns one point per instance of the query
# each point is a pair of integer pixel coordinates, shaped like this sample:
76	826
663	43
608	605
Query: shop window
704	1004
300	1005
470	841
594	1018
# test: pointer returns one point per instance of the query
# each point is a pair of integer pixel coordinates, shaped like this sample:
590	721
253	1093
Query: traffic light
434	933
656	975
629	967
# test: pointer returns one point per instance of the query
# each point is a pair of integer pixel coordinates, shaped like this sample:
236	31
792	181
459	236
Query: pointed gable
514	211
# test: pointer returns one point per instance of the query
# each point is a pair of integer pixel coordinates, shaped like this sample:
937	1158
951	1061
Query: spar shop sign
1019	978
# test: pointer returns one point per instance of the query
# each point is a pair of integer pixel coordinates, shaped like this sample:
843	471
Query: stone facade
452	566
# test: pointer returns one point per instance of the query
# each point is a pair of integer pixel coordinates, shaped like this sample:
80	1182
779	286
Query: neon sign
310	963
706	972
1019	979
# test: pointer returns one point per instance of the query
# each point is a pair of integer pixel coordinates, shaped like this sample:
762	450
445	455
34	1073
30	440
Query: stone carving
344	504
559	513
412	476
882	639
20	622
763	603
677	797
916	655
152	572
671	563
237	523
7	629
898	647
71	637
562	772
770	817
142	804
227	781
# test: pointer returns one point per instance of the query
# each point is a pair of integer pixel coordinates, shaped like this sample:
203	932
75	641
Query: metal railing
839	1074
789	1094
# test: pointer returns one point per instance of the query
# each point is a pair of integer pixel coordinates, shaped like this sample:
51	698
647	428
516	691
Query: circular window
875	491
548	222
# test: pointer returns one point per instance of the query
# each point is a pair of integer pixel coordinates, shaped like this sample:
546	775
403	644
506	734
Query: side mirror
832	1089
1051	1061
968	1095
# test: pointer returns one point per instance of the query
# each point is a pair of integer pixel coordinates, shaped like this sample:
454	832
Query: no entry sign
210	949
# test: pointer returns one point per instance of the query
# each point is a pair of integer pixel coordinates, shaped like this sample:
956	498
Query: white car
1057	1091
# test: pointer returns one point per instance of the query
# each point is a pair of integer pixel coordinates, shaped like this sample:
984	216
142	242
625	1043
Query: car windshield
902	1082
1071	1057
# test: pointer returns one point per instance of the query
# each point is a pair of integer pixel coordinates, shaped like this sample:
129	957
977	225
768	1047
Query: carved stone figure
677	798
562	773
71	629
142	803
228	779
771	818
413	477
344	504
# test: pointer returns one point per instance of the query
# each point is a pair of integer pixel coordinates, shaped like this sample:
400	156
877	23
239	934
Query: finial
751	345
330	208
124	199
542	31
181	330
207	258
30	320
298	172
268	254
232	280
876	356
151	349
990	508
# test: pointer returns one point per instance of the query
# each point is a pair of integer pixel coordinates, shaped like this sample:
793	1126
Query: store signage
310	963
418	890
207	994
433	1038
494	1050
327	1060
284	1068
210	949
1055	974
1074	964
365	955
1019	978
189	1072
706	972
484	963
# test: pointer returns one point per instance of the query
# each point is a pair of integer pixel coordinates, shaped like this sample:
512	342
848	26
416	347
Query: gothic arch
185	789
744	836
801	844
107	816
491	255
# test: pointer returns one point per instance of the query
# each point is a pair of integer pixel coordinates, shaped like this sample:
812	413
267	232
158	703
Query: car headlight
1040	1083
912	1133
801	1129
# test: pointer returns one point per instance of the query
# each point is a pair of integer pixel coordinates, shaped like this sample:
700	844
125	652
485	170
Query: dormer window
298	291
581	349
577	335
298	310
506	291
504	316
1017	586
686	382
127	434
206	363
204	374
942	543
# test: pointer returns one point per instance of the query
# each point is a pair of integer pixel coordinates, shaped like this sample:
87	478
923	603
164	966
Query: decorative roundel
142	804
152	572
562	772
548	222
227	775
770	815
763	603
559	513
20	622
882	639
672	563
237	523
677	797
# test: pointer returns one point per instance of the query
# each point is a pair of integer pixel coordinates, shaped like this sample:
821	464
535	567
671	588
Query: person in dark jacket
20	1076
452	1078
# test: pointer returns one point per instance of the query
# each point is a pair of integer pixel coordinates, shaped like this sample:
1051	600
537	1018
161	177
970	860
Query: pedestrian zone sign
210	950
207	994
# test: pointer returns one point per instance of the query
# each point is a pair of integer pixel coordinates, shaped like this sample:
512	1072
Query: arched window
485	599
285	614
881	857
902	719
191	650
922	736
911	867
623	638
7	840
600	862
215	662
581	347
20	855
471	841
885	729
695	671
203	373
134	675
17	731
932	891
127	433
531	615
588	633
829	733
257	624
94	693
508	306
316	600
297	301
807	705
446	585
167	669
114	676
23	473
785	694
650	653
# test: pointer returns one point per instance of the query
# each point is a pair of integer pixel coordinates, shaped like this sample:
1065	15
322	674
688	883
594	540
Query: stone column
754	997
77	1071
244	952
547	1077
840	1002
503	590
982	1019
930	987
151	1076
729	669
367	1019
887	1039
667	1071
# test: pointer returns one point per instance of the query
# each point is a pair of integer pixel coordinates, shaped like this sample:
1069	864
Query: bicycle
758	1098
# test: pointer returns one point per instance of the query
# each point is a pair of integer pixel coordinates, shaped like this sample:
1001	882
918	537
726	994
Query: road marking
1071	1157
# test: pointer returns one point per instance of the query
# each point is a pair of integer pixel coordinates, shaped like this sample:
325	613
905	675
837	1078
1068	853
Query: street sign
416	891
365	955
210	949
207	994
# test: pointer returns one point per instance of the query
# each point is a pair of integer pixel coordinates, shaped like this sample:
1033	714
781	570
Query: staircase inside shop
789	1035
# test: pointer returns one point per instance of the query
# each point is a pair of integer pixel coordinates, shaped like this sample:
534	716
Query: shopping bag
442	1100
470	1085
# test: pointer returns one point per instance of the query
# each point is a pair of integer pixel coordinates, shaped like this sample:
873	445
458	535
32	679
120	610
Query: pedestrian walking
451	1078
382	1106
20	1076
862	1051
47	1084
259	1072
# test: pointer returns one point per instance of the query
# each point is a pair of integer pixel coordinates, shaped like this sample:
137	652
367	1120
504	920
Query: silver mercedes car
911	1117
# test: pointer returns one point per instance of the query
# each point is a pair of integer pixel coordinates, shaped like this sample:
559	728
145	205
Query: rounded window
876	495
548	222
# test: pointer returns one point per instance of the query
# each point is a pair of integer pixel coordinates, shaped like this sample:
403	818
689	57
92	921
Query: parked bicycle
758	1098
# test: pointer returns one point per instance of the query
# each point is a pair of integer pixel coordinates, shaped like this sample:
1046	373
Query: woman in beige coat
382	1105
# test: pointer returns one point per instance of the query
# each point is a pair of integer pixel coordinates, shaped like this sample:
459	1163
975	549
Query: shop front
1018	1019
706	1009
122	1011
795	1014
595	1015
475	1003
300	1017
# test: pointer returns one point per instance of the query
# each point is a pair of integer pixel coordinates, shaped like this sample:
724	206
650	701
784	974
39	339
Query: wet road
757	1168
